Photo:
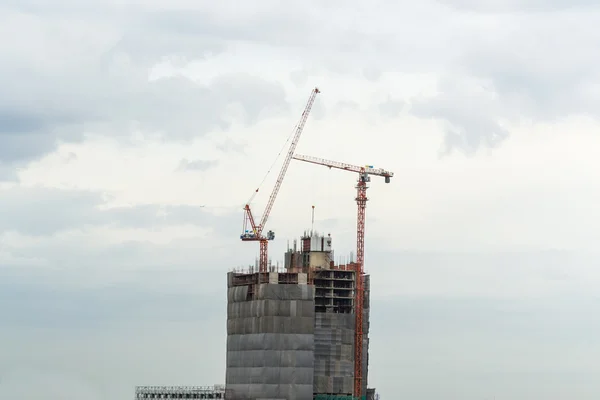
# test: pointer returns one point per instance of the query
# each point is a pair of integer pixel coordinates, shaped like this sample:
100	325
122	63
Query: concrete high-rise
290	333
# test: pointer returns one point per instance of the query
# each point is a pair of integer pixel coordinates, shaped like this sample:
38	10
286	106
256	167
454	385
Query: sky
133	132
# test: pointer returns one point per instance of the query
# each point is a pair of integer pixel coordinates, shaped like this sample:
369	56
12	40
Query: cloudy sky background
119	119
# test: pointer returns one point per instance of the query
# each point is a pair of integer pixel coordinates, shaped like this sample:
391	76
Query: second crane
364	176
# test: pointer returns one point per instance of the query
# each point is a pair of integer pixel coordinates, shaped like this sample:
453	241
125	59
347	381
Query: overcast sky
119	119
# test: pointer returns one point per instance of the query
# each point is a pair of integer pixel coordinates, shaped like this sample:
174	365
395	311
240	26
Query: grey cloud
230	146
28	383
540	70
112	344
189	110
391	108
77	254
109	89
41	211
22	147
526	69
330	225
510	347
292	24
318	111
463	314
23	136
299	77
496	6
59	7
301	26
12	122
471	118
42	306
347	105
196	165
499	275
372	73
45	211
288	24
147	43
8	173
149	216
176	106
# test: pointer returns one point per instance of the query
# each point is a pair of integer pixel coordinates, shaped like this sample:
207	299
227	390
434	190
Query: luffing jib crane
364	176
252	231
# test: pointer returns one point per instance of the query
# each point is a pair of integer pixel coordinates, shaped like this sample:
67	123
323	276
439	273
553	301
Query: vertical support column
361	201
262	263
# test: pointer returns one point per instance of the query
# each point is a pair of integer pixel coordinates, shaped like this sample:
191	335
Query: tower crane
252	231
364	176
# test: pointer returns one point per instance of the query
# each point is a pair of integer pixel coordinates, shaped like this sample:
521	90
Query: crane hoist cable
272	165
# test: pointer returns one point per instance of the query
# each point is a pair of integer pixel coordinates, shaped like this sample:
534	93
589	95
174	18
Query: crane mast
253	231
364	174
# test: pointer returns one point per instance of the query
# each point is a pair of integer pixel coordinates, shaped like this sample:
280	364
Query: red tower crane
252	231
364	176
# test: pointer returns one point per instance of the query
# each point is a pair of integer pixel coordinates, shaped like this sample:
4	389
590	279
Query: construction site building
290	333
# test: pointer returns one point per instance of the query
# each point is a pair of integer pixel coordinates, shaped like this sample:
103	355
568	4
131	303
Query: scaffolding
181	392
270	336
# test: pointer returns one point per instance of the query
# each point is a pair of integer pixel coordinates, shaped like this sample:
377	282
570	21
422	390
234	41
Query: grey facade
334	331
366	324
334	353
270	337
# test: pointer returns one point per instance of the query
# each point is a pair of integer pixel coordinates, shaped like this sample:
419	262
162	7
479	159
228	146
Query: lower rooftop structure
180	392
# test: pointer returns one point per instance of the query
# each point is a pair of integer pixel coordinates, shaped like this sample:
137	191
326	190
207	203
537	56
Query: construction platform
180	392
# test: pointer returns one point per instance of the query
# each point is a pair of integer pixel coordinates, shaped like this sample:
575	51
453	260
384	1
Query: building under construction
290	333
302	332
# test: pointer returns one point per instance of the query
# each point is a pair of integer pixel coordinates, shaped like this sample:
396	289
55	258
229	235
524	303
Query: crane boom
257	229
361	200
367	169
288	158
